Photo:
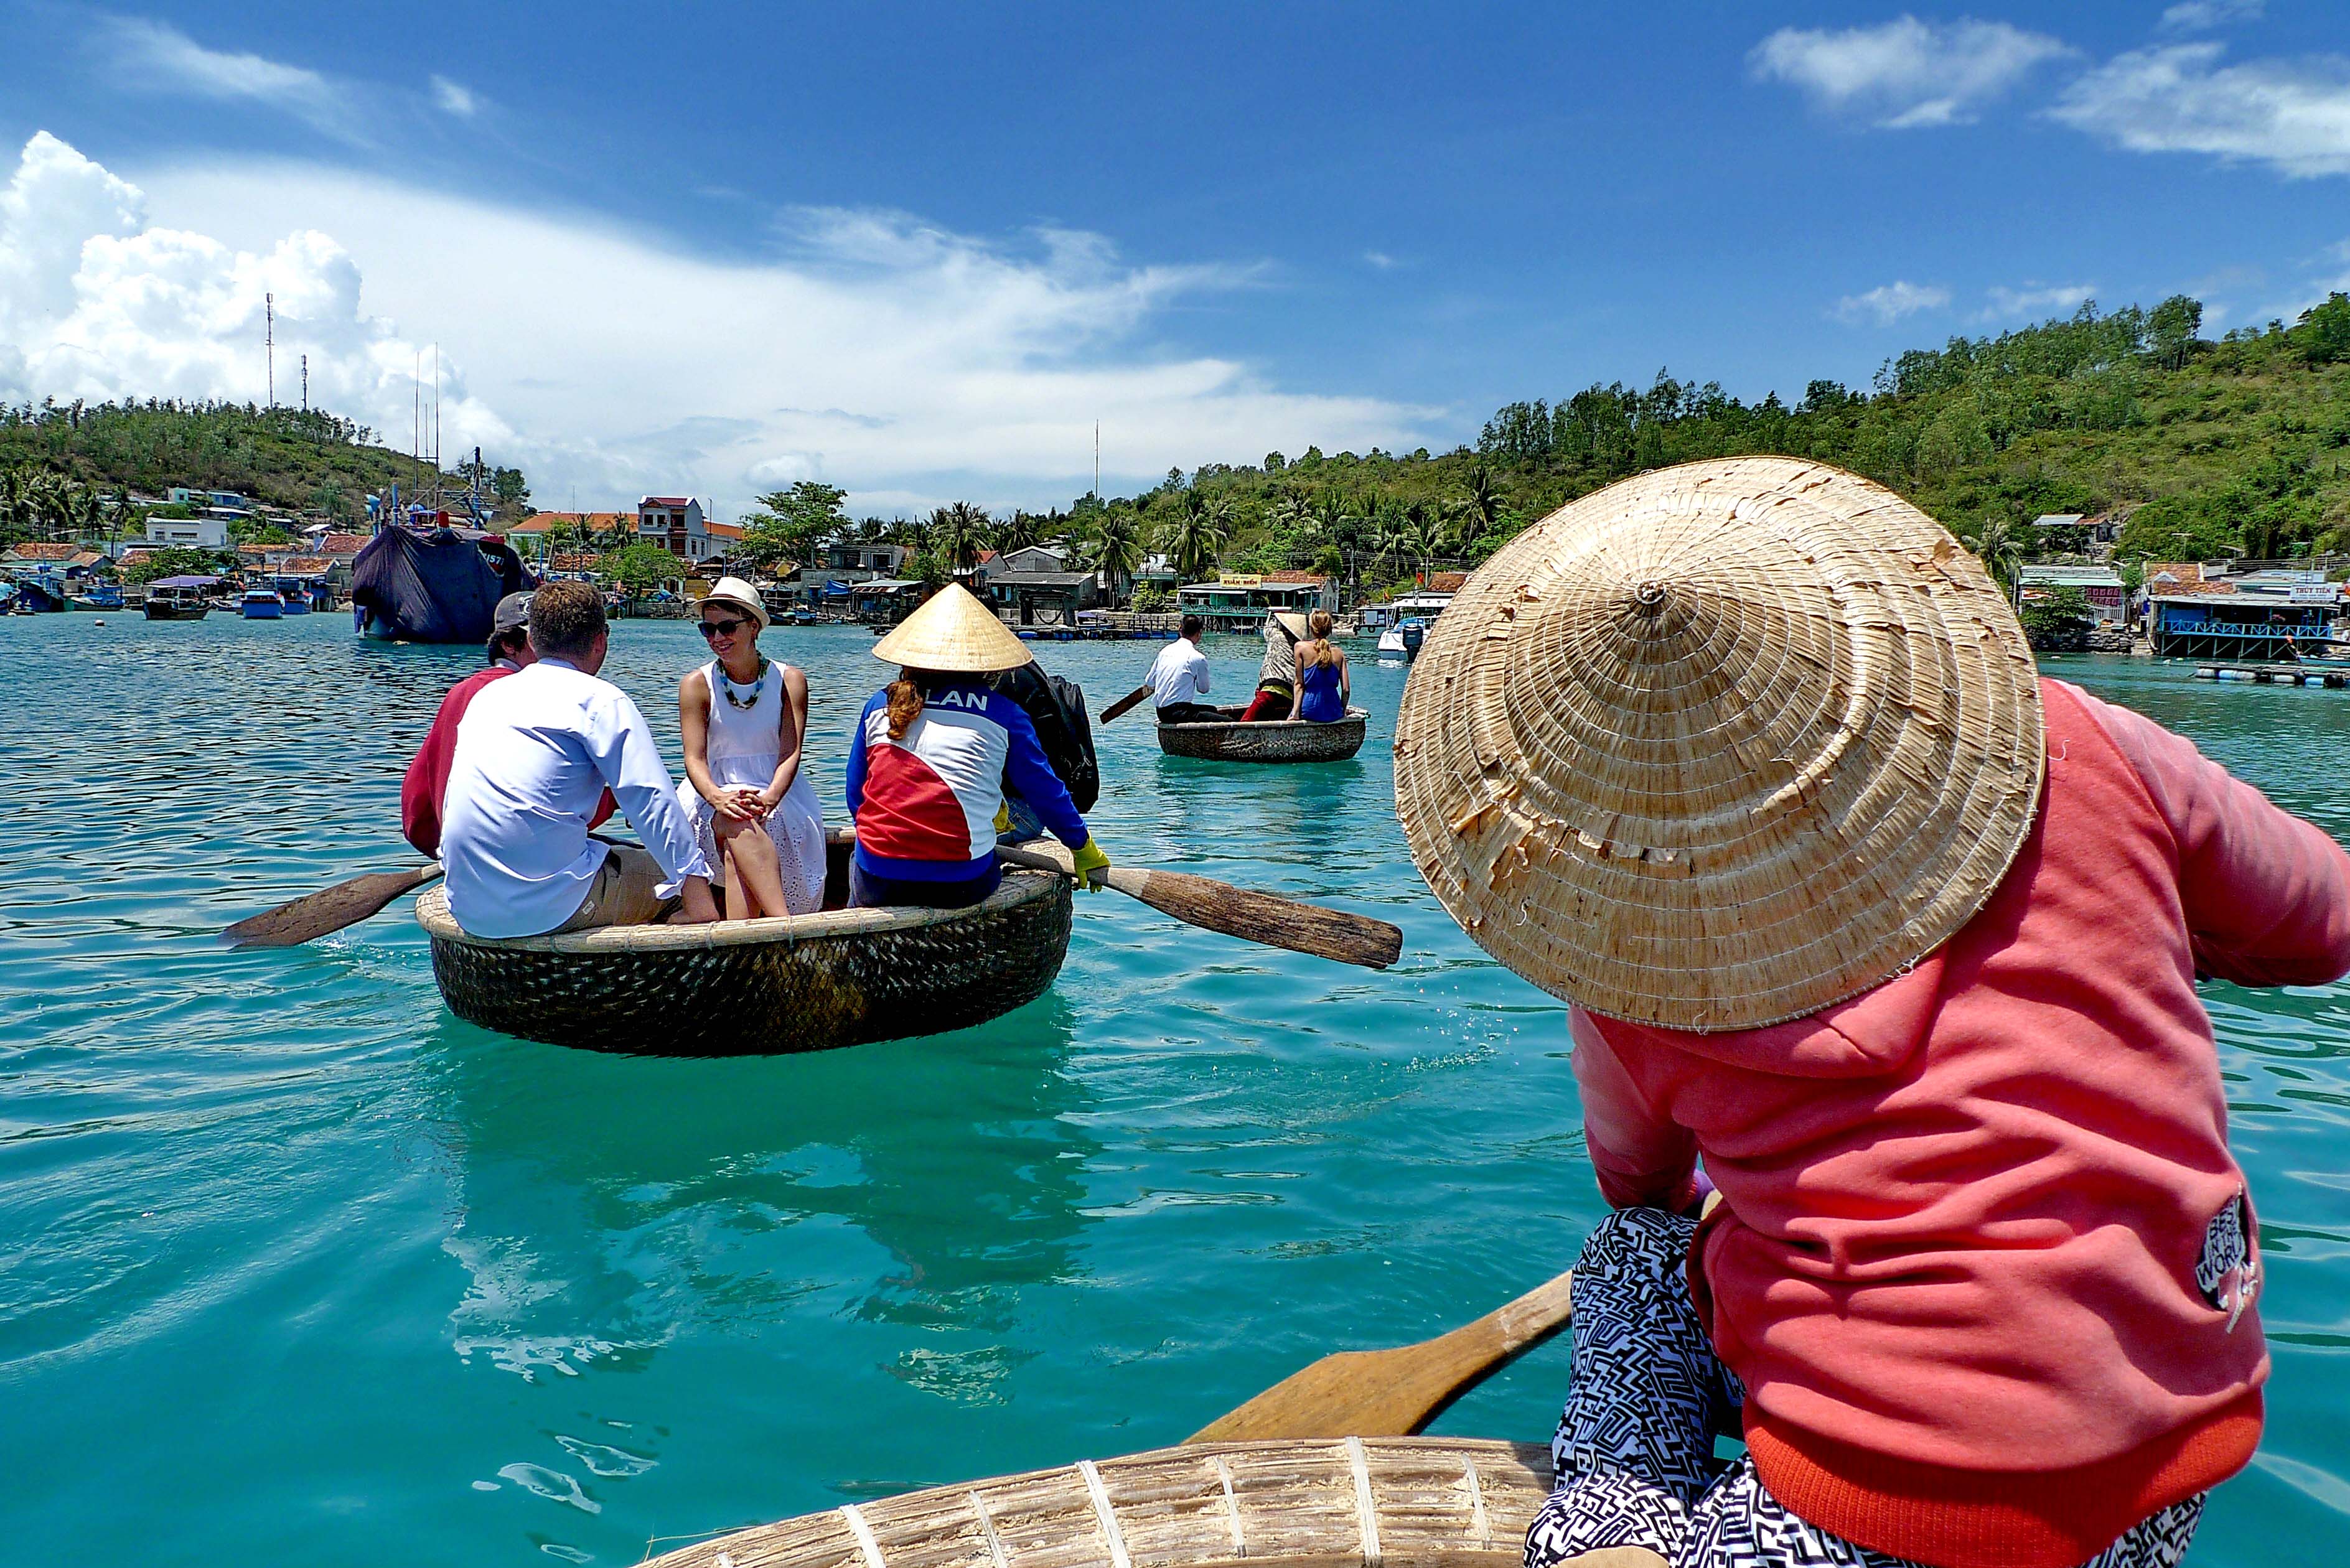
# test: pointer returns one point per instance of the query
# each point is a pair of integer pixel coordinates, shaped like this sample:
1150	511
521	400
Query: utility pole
269	341
306	383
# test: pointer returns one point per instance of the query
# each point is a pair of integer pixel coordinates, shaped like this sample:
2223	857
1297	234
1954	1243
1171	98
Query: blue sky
918	250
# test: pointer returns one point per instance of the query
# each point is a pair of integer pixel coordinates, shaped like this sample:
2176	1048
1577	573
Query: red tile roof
667	501
44	552
582	563
1296	579
342	543
723	530
305	566
1445	582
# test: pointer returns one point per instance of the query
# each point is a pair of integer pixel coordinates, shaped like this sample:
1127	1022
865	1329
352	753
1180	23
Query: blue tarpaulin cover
437	587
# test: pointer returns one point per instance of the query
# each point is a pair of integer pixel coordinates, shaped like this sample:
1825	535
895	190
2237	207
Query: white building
187	533
679	524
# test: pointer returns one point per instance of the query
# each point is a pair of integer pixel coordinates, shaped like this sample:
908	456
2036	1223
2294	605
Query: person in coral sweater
1883	954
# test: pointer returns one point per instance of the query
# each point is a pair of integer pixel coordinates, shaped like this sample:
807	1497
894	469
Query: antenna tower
269	341
306	383
1097	462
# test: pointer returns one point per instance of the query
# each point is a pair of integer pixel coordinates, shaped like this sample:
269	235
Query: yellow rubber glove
1091	859
1004	818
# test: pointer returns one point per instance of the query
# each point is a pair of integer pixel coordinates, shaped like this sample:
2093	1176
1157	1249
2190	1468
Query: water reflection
604	1205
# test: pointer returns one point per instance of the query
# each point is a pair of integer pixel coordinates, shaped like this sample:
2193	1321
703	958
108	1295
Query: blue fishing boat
39	593
261	604
296	594
423	580
101	596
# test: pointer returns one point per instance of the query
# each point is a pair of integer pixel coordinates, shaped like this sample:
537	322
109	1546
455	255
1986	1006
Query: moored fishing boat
1383	1502
261	604
427	582
1267	741
177	599
739	988
102	595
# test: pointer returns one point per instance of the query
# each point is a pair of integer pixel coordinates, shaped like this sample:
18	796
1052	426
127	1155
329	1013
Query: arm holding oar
1235	911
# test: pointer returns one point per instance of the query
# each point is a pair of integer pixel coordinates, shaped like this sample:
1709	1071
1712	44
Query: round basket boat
745	988
1382	1502
1272	741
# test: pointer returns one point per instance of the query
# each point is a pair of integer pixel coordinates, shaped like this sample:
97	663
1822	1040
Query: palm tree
959	532
1018	531
1475	513
16	512
2000	549
1194	539
53	500
1290	511
1115	550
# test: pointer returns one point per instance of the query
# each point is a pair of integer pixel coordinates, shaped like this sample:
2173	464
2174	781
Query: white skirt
796	826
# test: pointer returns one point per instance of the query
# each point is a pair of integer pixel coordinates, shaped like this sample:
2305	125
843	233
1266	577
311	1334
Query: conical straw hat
953	631
1720	746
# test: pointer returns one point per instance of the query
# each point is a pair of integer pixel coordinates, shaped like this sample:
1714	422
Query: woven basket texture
1720	746
1272	741
954	632
1403	1502
806	982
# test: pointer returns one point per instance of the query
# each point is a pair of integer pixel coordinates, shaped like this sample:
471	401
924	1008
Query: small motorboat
294	594
1384	1503
101	596
172	601
261	604
1267	741
1402	640
763	987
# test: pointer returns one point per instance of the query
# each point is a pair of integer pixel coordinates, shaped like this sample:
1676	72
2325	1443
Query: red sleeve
2267	895
604	809
427	780
1643	1161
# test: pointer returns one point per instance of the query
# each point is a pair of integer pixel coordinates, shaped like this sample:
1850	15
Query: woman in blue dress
1322	688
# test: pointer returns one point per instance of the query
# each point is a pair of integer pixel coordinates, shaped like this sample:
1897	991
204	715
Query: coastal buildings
2253	618
1239	601
2108	597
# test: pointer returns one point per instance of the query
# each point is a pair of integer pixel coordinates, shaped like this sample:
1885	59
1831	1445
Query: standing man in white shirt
1178	679
535	753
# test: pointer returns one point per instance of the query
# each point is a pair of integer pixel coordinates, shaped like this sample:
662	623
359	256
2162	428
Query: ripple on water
328	1276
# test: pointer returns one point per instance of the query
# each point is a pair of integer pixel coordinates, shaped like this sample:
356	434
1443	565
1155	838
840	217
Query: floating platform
2334	674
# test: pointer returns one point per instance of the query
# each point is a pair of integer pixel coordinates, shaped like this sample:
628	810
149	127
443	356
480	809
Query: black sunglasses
714	629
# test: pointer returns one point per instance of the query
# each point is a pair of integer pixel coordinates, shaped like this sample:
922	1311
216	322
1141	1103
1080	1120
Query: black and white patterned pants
1635	1444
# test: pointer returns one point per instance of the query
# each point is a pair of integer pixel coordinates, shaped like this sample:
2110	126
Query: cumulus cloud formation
2202	16
1889	304
905	362
96	303
450	98
154	56
2293	115
1904	73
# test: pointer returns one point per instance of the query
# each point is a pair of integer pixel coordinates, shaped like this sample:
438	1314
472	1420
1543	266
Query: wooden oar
327	911
1123	703
1396	1393
1237	912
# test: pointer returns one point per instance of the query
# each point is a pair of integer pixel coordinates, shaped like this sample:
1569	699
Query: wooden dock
2335	675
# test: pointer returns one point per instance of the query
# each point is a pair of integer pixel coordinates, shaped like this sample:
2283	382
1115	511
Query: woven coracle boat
1272	741
1380	1502
742	988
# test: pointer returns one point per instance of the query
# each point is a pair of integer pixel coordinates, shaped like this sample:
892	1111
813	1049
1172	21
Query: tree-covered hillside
2213	448
302	460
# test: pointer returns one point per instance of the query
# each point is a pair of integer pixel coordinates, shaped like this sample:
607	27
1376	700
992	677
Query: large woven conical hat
1721	745
953	631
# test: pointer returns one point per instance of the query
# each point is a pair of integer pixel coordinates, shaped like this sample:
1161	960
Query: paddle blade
1263	918
1125	702
1396	1393
327	911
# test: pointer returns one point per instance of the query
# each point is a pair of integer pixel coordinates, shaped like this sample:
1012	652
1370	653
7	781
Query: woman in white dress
744	717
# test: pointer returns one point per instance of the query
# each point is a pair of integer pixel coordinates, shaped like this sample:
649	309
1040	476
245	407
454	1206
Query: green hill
301	460
2213	448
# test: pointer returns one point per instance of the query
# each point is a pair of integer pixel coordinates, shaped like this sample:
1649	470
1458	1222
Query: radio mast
269	341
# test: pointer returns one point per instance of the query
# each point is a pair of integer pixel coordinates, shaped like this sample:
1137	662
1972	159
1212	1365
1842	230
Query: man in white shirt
535	753
1178	679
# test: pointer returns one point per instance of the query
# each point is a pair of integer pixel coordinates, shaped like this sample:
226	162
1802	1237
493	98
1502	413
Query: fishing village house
679	524
841	566
2108	598
1239	601
2195	611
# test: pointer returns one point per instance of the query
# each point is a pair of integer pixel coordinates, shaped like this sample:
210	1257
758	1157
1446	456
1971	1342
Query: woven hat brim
1799	766
742	596
954	633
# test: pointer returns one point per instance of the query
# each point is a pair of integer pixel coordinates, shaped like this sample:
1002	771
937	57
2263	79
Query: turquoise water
300	1268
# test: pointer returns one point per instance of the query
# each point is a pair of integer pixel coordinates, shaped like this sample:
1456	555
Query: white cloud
2293	116
2036	299
905	362
452	98
154	56
1380	259
1889	304
2202	16
96	303
1904	72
